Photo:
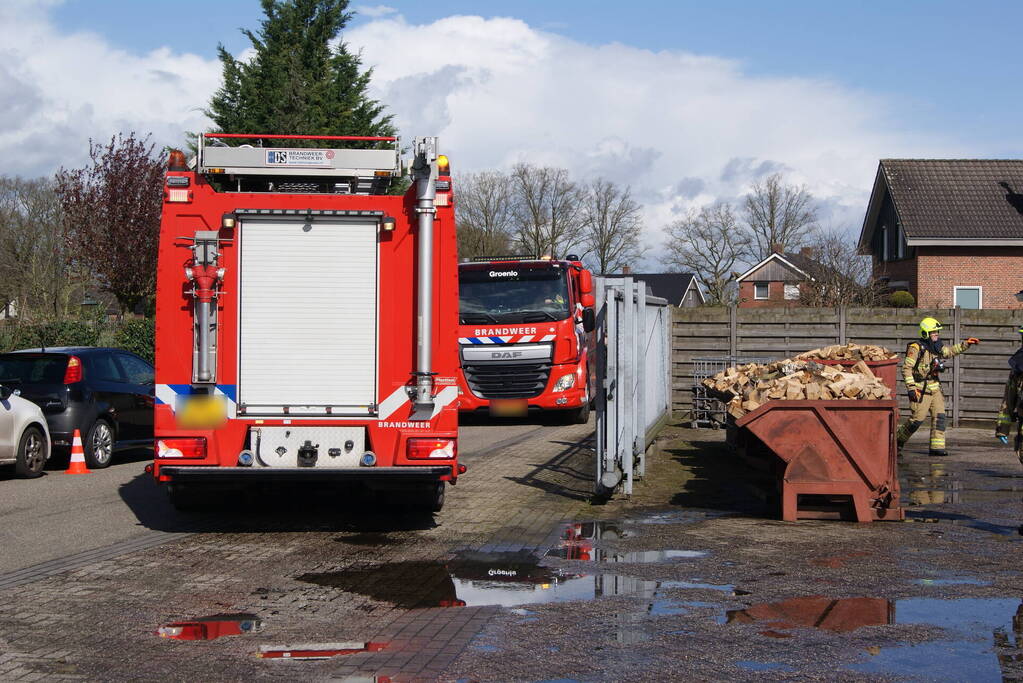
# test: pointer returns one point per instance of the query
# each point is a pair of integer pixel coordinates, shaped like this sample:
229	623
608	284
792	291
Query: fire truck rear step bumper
297	474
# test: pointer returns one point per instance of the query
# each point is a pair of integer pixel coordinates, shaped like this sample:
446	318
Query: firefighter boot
937	446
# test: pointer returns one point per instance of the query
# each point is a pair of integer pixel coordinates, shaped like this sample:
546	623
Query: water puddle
211	627
696	584
476	579
840	615
983	634
317	650
953	581
587	553
986	636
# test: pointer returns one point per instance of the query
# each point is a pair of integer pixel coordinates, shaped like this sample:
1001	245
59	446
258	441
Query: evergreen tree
297	83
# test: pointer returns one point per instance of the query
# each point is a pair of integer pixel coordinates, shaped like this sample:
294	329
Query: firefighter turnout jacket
924	363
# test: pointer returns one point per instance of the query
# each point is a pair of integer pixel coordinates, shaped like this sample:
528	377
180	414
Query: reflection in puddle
587	553
317	650
985	635
953	581
211	627
724	588
475	579
841	615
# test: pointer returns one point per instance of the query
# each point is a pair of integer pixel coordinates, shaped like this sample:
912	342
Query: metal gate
634	372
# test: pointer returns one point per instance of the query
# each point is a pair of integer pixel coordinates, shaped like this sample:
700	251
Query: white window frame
766	296
980	295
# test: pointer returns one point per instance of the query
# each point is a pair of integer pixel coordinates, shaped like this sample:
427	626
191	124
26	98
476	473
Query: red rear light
190	447
432	449
73	372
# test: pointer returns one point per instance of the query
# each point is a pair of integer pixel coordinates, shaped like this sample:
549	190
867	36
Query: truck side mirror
589	320
587	300
585	281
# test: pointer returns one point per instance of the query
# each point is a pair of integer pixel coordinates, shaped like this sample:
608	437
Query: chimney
777	248
626	270
806	252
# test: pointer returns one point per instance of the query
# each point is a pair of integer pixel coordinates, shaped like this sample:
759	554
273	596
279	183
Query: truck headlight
565	382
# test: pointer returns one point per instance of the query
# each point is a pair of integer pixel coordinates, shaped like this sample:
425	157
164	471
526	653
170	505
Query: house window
791	292
761	290
968	297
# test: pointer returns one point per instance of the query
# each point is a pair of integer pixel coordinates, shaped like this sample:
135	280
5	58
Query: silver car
24	438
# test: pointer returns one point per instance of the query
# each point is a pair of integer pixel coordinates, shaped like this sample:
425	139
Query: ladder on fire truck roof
369	166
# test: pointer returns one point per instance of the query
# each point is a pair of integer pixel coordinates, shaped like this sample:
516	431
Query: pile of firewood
746	387
848	351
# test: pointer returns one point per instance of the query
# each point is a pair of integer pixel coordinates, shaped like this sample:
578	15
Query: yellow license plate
201	412
508	407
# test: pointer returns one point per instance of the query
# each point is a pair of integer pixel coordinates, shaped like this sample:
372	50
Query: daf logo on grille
496	355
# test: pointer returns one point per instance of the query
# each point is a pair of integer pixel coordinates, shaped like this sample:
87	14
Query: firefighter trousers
933	404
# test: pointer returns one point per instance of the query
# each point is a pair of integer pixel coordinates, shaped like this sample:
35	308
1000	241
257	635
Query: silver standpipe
424	170
202	372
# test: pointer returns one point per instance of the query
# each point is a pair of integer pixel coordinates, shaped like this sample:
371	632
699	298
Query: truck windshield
512	294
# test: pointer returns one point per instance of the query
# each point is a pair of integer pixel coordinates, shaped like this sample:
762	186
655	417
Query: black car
106	394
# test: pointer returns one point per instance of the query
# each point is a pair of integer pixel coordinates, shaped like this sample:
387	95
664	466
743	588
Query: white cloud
58	90
682	129
373	11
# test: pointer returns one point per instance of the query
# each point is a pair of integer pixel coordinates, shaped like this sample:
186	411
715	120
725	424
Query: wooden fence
973	385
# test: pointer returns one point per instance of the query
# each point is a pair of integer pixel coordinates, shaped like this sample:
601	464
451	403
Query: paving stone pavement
287	562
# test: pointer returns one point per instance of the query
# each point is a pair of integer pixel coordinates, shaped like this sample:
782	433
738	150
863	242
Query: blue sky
687	103
951	67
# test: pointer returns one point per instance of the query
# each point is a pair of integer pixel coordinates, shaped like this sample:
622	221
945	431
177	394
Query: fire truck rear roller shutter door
308	313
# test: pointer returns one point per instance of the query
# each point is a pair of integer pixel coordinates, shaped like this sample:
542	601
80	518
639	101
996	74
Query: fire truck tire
430	498
578	416
185	498
99	445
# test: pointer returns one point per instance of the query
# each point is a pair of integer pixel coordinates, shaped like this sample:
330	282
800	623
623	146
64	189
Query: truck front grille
507	380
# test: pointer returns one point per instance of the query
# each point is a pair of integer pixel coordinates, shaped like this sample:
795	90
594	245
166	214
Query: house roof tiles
956	198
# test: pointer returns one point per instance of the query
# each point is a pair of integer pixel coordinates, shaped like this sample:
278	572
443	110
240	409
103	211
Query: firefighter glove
914	395
971	341
1003	438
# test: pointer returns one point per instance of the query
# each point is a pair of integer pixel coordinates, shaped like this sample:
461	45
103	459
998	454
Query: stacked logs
850	351
746	387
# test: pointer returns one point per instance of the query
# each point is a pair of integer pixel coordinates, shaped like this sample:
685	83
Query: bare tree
841	276
548	210
709	242
38	275
612	226
778	215
112	207
484	213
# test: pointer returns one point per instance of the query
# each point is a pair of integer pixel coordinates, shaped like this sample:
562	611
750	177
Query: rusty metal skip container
834	459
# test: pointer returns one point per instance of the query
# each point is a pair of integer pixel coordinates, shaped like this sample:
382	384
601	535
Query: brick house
776	280
682	290
948	231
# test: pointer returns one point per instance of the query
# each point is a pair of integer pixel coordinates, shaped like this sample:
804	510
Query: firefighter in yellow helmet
921	370
1012	403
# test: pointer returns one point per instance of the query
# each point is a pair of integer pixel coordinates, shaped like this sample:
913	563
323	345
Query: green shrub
901	299
137	335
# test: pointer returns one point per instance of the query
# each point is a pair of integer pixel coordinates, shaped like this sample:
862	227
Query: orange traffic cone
77	465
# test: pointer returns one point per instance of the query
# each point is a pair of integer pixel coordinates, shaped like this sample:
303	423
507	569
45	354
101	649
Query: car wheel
99	445
31	456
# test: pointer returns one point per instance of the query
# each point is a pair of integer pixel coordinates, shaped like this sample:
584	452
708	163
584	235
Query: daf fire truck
305	318
525	336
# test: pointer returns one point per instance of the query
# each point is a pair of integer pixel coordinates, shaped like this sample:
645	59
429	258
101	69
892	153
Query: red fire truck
305	318
525	336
